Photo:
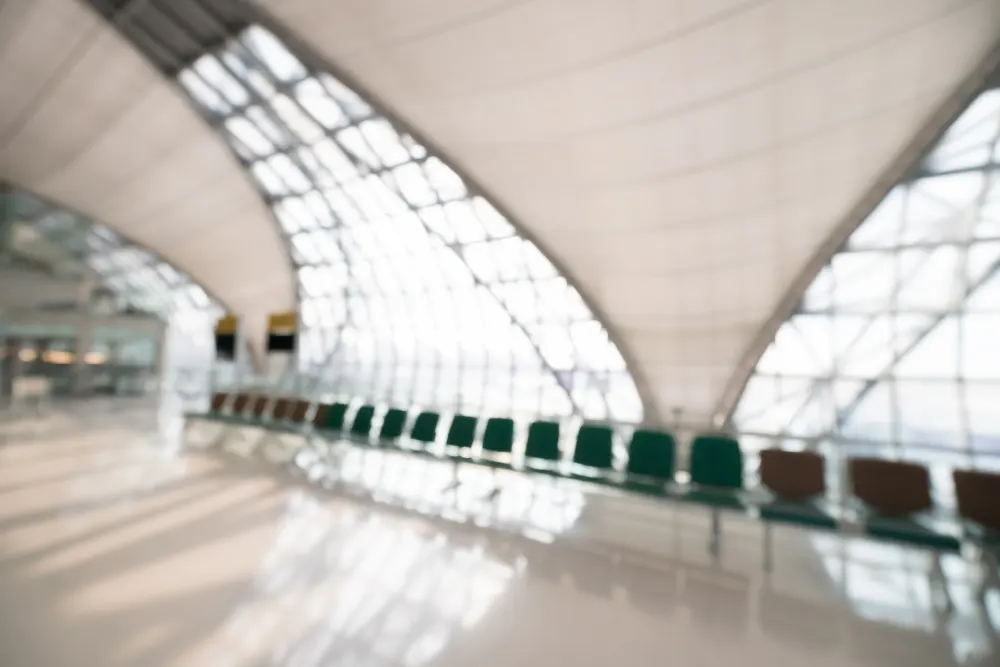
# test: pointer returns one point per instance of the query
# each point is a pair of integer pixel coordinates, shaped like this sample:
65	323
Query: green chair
542	449
716	479
330	418
361	427
796	482
650	466
594	450
716	472
425	428
498	438
462	432
461	435
393	424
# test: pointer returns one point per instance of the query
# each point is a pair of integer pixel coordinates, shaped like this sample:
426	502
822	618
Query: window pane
912	306
435	290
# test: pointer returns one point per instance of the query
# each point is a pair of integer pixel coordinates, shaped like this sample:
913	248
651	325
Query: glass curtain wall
414	289
893	348
44	236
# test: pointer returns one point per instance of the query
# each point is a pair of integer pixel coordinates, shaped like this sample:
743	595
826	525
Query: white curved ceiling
87	122
684	159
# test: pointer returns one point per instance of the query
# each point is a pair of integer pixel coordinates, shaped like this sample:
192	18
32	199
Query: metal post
938	576
991	575
716	537
768	548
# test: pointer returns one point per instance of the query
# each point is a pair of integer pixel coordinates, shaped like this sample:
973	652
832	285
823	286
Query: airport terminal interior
447	333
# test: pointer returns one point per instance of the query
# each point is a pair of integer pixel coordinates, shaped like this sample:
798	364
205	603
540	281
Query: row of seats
892	498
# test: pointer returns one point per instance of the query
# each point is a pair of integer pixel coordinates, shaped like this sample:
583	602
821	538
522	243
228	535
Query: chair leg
768	548
219	440
262	444
716	535
494	491
305	455
939	580
455	483
991	572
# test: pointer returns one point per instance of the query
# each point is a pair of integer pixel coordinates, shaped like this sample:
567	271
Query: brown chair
218	401
240	404
319	419
891	488
299	412
796	479
793	476
978	495
896	493
282	409
259	405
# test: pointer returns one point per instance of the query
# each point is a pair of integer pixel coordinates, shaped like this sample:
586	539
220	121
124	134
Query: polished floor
121	548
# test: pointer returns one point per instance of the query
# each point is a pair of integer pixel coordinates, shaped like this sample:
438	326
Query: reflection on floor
119	548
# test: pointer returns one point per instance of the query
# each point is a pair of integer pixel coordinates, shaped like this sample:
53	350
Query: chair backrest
259	405
319	418
593	447
978	495
793	476
393	424
362	424
240	403
299	412
218	401
329	417
651	454
334	417
499	435
893	488
462	432
716	461
282	409
543	441
425	427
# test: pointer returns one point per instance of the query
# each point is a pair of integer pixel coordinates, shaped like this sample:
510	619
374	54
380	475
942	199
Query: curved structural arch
929	134
415	288
65	242
891	350
48	237
683	160
651	411
88	122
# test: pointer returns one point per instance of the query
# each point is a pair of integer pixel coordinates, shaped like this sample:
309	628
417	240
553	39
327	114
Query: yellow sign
283	323
227	325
